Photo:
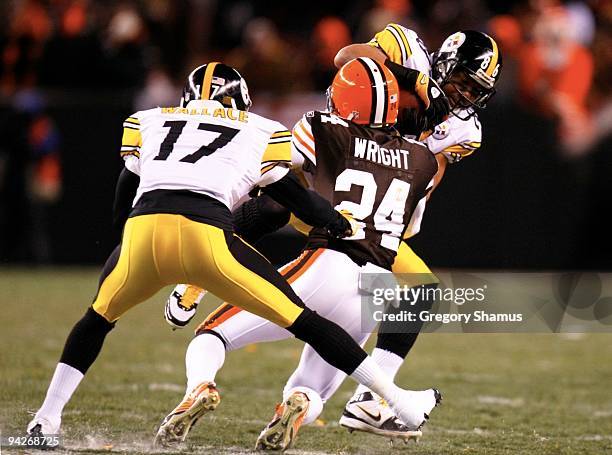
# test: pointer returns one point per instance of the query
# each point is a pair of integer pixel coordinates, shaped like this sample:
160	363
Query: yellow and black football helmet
476	56
219	82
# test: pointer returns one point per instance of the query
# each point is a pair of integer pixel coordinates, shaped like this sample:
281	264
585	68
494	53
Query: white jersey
455	138
205	148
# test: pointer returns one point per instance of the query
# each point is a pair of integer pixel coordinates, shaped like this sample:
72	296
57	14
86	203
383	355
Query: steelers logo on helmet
468	59
219	82
365	92
454	41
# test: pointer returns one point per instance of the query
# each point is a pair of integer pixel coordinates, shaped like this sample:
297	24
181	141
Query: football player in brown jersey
352	156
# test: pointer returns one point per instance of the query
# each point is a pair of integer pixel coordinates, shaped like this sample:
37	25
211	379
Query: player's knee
209	336
98	309
85	340
315	403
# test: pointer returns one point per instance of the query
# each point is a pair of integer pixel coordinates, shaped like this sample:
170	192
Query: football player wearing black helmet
219	82
467	66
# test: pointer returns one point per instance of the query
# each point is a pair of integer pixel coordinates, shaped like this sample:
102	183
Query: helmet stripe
494	58
378	91
385	94
206	83
373	94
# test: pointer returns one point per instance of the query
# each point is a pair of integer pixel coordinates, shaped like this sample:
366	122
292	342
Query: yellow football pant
162	249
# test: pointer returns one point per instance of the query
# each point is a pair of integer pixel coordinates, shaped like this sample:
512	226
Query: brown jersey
374	173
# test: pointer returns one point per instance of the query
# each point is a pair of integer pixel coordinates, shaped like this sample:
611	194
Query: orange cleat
174	428
281	432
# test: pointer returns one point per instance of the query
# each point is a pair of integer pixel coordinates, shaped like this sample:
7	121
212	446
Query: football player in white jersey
385	186
189	165
466	67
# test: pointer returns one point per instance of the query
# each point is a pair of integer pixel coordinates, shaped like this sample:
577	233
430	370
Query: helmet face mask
218	82
466	95
467	66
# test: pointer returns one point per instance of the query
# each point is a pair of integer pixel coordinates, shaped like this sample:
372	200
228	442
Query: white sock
369	374
388	361
63	384
205	356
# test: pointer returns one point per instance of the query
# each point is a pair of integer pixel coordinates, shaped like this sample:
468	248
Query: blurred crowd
557	59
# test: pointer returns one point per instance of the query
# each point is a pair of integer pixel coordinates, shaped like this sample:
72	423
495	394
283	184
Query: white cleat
414	407
41	427
370	413
182	304
281	432
175	427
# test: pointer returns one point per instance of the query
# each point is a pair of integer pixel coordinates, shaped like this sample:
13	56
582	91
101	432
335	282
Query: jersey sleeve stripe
135	153
458	150
404	38
304	152
469	146
304	143
399	42
131	140
133	120
285	133
276	153
307	129
268	168
280	140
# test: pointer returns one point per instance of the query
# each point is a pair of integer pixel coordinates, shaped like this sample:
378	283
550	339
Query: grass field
503	394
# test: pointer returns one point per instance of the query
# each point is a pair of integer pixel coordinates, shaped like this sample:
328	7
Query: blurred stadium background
533	197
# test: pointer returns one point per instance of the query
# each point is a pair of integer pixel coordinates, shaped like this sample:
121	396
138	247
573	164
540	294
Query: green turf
503	394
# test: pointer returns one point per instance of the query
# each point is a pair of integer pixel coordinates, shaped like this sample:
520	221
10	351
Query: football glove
343	225
434	102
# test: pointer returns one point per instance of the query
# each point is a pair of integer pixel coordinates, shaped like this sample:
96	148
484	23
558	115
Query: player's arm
129	178
352	51
391	42
462	141
125	190
259	216
309	206
442	163
285	187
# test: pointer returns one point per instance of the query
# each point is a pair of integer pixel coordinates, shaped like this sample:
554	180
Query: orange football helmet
364	92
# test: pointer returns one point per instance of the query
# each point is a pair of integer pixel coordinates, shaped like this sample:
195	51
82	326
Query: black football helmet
476	55
219	82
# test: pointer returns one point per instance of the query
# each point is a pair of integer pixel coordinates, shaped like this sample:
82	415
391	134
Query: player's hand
343	225
434	104
435	101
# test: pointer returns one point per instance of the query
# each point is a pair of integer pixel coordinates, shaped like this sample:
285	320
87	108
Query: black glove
343	225
435	105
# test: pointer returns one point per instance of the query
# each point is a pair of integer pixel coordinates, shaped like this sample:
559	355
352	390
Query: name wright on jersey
369	150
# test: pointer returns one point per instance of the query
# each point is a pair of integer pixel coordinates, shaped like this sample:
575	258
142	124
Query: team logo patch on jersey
441	131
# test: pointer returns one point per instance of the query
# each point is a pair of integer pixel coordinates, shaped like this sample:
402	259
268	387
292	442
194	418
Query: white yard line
501	401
